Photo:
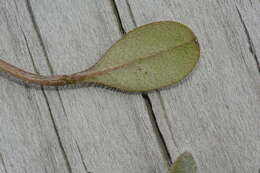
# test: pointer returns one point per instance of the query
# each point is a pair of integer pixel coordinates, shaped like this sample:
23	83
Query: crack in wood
82	158
119	21
3	162
157	131
37	30
57	132
131	13
250	42
166	119
29	51
61	102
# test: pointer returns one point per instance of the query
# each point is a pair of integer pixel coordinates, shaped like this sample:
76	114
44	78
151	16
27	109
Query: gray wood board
28	142
215	112
69	129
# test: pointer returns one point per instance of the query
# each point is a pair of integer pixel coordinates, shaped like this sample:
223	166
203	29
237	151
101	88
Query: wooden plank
214	113
74	129
28	142
249	14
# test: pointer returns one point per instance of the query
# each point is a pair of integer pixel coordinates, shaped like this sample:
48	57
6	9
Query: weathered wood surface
67	130
214	113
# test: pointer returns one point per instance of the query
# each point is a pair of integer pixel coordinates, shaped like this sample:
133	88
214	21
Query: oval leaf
152	56
184	164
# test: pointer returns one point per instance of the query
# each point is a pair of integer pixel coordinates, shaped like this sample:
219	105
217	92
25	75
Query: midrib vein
91	74
84	76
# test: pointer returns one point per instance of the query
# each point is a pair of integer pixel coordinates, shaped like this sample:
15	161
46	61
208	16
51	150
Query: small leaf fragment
184	164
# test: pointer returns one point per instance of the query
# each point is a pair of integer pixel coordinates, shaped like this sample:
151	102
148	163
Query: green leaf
184	164
152	56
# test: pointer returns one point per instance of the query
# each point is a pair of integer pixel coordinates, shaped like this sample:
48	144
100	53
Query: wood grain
77	129
28	142
250	16
214	113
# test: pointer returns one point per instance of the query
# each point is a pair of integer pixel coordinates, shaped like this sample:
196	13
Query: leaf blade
171	64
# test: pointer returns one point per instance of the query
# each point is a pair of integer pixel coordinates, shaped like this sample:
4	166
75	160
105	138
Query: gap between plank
118	18
157	131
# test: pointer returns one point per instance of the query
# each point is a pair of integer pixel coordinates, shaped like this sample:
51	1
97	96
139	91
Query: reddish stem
54	80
